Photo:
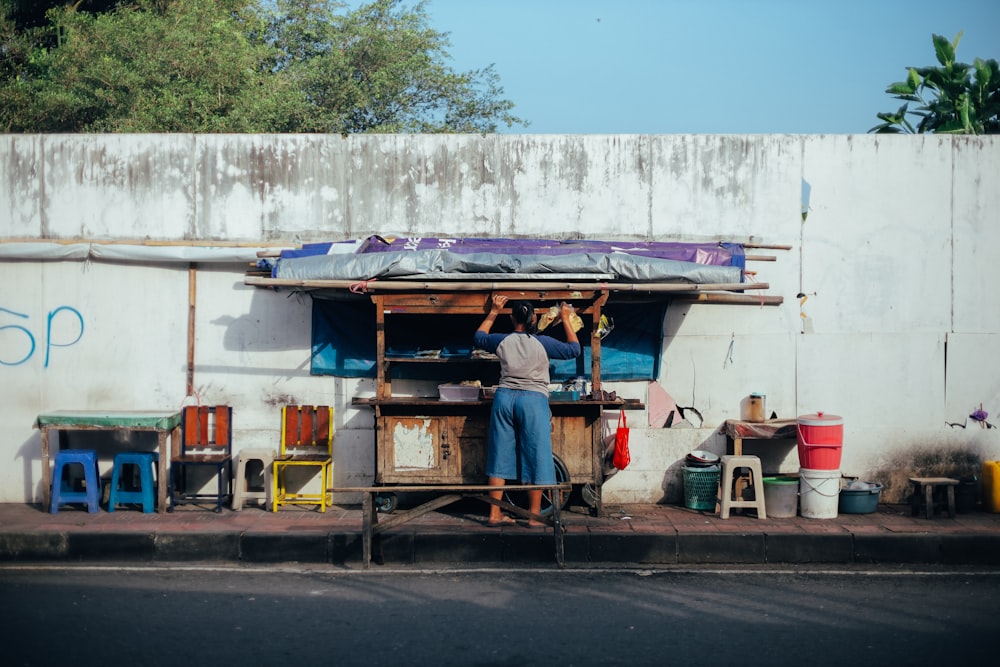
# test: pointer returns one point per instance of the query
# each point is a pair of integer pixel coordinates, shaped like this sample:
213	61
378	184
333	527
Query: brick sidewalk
630	534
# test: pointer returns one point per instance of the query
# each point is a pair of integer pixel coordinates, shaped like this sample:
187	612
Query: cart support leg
367	509
557	530
371	544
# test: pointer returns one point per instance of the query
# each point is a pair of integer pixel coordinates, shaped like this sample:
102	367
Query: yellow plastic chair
306	442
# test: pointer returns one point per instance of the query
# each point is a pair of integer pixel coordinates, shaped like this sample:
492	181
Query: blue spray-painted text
63	328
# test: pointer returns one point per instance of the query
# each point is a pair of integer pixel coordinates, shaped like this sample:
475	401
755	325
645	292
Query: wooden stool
241	491
727	481
923	493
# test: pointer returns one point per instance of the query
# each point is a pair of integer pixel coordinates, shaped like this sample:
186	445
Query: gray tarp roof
445	265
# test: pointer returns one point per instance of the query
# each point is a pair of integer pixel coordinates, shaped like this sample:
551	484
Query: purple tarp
710	254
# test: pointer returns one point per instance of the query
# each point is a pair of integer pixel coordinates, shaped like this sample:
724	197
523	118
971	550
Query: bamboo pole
150	243
767	246
373	286
733	299
192	297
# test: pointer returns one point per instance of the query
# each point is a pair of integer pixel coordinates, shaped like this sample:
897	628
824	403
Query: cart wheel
589	494
386	503
562	476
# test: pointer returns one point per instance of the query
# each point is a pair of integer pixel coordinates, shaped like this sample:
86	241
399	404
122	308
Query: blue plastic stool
146	495
91	477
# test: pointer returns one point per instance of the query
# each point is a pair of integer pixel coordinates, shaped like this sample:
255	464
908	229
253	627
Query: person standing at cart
520	434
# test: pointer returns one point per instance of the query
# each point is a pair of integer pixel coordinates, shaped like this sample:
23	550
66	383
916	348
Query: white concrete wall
899	333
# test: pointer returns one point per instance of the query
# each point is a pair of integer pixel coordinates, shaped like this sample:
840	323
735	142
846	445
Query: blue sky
706	66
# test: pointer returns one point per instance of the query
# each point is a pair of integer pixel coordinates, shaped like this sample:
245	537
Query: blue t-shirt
524	358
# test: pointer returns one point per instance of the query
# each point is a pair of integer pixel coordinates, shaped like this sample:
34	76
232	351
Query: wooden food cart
428	441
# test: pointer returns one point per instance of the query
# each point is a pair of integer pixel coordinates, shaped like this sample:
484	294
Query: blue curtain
343	342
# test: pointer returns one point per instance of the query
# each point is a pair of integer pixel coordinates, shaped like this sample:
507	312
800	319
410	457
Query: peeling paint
413	447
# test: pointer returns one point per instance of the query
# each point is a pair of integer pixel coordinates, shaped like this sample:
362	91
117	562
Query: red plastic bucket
820	440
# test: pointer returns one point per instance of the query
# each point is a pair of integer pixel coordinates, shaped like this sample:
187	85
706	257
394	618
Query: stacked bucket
820	443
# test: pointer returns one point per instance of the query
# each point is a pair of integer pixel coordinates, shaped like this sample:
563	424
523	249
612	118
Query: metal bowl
700	457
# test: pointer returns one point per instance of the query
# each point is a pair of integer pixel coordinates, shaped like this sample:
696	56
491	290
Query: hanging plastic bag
621	457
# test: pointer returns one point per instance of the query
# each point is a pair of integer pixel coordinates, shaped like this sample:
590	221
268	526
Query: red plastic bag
621	457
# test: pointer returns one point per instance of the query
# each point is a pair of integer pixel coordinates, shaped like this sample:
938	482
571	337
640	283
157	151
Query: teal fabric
164	421
343	343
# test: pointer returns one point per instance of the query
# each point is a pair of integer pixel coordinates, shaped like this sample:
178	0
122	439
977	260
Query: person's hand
565	310
499	301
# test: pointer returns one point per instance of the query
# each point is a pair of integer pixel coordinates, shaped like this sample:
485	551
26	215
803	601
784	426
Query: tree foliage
237	66
953	98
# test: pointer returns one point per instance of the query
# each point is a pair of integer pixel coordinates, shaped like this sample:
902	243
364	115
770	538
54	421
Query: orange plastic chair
306	442
207	443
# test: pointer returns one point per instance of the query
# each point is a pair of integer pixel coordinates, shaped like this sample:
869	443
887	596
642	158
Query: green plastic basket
701	486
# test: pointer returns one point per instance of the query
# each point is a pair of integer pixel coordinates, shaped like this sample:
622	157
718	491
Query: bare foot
502	521
536	524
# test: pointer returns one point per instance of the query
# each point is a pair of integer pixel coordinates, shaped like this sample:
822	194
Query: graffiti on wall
63	327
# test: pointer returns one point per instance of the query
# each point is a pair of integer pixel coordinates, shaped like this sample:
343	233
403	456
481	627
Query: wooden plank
372	527
421	488
383	387
404	516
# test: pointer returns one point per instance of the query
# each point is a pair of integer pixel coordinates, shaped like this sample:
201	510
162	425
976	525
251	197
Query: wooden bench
923	494
372	528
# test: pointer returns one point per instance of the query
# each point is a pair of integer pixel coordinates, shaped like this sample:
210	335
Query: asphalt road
231	616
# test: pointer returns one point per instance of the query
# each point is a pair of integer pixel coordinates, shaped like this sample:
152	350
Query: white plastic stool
727	481
240	492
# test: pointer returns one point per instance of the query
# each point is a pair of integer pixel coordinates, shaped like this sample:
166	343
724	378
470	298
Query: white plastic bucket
819	493
781	496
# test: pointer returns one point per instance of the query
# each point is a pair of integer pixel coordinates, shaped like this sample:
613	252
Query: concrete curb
429	546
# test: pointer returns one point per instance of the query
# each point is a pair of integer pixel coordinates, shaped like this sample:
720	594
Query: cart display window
344	341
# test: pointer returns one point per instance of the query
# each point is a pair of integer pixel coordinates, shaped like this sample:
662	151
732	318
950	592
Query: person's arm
565	310
499	300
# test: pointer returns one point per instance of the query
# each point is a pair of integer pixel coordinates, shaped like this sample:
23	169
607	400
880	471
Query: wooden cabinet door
572	441
440	449
413	450
470	433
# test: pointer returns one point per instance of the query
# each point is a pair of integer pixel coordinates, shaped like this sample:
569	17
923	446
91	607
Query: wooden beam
733	299
375	286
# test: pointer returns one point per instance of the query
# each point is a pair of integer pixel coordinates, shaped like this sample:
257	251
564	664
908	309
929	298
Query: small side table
923	493
737	430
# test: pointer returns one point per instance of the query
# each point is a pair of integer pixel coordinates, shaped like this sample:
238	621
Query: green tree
953	98
152	66
381	68
238	66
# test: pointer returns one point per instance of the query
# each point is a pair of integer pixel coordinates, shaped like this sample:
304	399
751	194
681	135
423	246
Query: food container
564	395
458	392
758	408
